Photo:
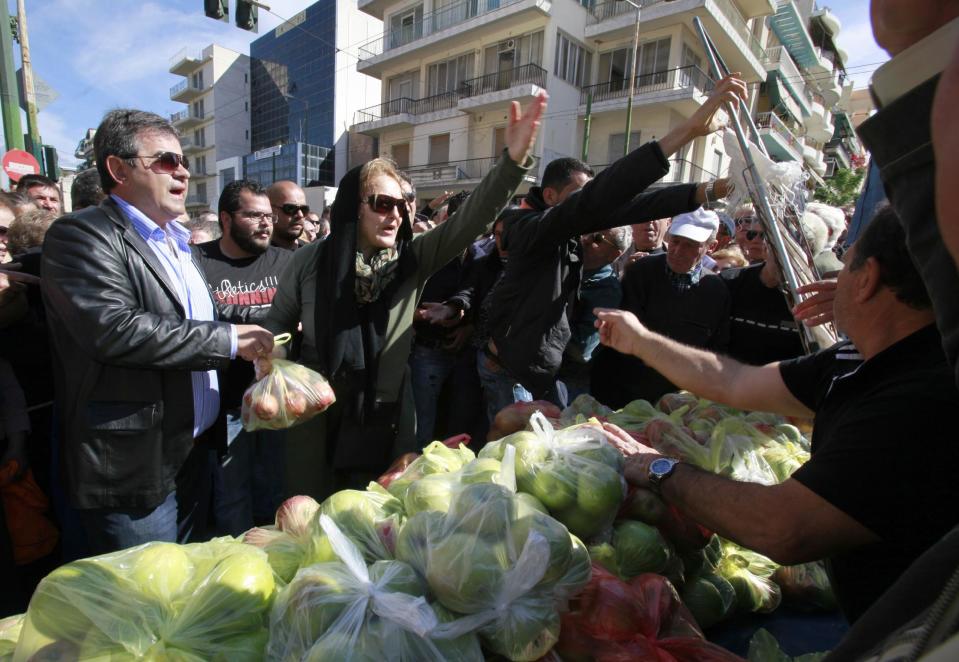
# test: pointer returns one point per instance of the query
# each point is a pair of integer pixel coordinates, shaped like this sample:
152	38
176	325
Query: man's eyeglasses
384	204
256	216
752	234
599	238
744	220
164	162
290	209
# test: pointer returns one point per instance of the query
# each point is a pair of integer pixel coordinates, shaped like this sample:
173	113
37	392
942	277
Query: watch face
661	465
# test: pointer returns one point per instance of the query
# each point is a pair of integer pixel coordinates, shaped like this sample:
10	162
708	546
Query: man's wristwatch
659	470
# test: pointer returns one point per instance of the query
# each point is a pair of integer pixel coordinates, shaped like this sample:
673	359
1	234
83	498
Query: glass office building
307	165
292	78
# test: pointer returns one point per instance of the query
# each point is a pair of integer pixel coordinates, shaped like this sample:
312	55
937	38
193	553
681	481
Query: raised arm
478	213
708	375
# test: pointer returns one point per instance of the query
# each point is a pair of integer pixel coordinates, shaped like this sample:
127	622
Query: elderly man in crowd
675	295
136	344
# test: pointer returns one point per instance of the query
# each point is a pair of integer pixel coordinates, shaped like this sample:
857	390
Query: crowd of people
132	332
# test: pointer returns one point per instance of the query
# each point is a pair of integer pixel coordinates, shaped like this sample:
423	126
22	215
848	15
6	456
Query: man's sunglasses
599	238
290	209
164	162
384	204
752	234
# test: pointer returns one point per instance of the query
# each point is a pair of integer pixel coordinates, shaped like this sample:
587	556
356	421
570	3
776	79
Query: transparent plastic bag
286	395
437	458
501	563
370	519
201	601
10	628
344	610
574	472
750	574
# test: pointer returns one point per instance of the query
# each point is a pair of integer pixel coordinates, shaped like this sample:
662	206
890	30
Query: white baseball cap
697	225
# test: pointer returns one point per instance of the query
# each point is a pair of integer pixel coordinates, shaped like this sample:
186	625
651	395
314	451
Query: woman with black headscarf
355	294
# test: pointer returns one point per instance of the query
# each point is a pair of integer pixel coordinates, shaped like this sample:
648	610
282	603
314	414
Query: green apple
527	630
600	491
554	485
397	577
433	492
578	571
607	455
640	548
414	540
481	470
161	570
466	573
482	509
556	537
526	504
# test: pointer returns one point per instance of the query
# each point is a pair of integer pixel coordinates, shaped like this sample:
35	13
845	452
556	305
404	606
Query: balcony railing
601	11
183	85
179	116
431	23
681	171
501	80
771	122
448	171
689	76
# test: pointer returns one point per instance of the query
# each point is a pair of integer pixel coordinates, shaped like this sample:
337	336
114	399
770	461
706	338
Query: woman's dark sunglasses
752	234
165	162
384	204
290	209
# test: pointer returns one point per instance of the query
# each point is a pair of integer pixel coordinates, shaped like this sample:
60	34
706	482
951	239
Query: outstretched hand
523	127
618	329
816	309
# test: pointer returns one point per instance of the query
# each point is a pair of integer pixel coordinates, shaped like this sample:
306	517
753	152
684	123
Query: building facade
449	69
215	125
302	90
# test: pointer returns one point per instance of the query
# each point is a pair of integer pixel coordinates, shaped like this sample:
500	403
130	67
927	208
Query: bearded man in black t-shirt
880	486
243	269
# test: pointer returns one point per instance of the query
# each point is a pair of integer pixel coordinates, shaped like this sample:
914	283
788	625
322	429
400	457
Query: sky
104	54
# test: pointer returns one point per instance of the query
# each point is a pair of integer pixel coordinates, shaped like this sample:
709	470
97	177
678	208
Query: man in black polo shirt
881	485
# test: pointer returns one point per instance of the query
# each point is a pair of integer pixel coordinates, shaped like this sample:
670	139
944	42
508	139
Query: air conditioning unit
508	45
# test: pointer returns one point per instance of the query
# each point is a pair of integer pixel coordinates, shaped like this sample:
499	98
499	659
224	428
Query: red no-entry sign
17	163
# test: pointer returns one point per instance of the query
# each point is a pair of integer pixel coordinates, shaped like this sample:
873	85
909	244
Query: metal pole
724	71
760	196
9	103
29	94
586	124
632	80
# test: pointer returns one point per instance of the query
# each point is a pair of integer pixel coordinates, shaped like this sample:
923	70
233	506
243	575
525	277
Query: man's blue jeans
499	389
248	480
429	370
181	517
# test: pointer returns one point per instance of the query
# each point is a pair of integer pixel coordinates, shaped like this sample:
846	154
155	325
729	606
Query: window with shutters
573	60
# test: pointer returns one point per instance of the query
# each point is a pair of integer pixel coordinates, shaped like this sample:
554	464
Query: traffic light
51	162
217	9
246	15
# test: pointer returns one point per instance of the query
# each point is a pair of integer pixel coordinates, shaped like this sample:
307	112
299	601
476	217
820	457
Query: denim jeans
248	480
181	517
499	389
429	370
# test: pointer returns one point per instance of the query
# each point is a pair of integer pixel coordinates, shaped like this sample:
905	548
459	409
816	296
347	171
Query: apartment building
215	124
803	114
449	69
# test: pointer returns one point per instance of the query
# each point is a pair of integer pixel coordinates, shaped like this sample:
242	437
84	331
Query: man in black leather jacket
528	318
135	344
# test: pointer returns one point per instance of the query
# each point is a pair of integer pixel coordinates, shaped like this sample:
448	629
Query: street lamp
632	77
633	70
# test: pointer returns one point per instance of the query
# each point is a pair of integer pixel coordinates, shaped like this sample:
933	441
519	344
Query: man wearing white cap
675	295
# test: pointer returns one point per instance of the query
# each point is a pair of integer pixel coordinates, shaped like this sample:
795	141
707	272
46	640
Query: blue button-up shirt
171	246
